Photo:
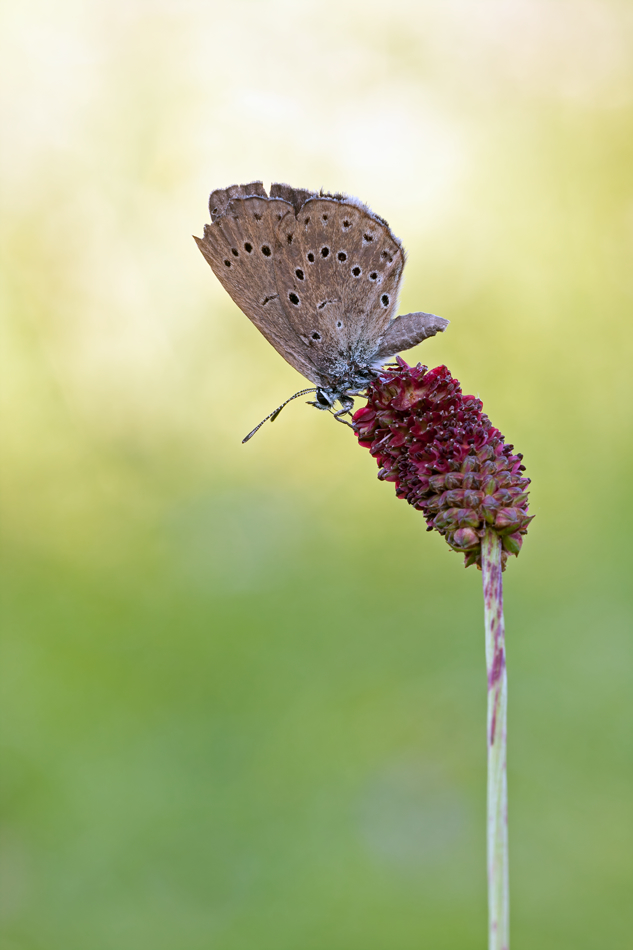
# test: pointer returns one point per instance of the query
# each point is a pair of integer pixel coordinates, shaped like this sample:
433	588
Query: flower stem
498	902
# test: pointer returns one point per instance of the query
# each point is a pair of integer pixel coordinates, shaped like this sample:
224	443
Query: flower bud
445	457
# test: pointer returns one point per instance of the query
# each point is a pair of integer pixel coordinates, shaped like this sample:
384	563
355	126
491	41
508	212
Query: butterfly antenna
273	415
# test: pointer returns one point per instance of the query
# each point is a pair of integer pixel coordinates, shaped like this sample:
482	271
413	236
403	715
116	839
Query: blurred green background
243	690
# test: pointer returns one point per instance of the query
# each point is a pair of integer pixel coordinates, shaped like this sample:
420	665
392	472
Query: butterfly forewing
220	198
318	275
239	245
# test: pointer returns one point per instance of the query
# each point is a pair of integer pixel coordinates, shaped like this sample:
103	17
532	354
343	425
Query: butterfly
318	274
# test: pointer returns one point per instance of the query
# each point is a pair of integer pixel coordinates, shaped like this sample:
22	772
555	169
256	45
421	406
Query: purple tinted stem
498	902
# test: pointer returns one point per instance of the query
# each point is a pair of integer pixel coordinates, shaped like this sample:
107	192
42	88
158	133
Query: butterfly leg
318	405
342	412
347	404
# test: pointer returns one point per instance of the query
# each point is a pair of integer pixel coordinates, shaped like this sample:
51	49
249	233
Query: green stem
498	903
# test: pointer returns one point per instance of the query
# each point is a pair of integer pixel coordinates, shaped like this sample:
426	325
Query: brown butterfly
319	276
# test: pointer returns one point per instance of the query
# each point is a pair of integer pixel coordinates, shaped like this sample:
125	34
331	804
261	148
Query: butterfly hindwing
338	275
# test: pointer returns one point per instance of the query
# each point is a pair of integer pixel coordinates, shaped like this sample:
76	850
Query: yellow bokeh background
244	690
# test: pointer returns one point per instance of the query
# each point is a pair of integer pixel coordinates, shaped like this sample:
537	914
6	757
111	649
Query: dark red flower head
445	457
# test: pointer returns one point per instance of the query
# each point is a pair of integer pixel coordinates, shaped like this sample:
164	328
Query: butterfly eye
316	336
384	300
248	247
373	275
235	252
299	273
310	257
356	271
325	251
266	250
342	256
294	299
228	263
